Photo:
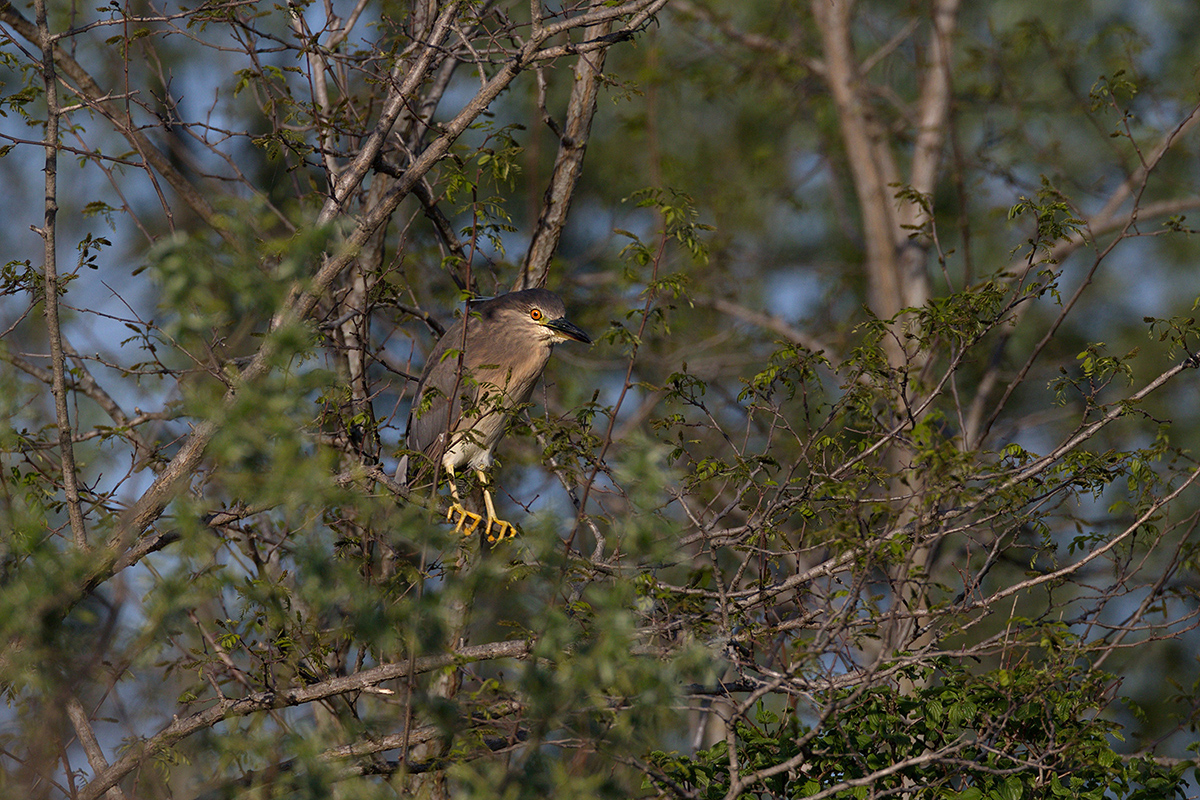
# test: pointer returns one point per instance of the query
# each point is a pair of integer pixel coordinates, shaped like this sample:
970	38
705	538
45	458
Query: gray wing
437	405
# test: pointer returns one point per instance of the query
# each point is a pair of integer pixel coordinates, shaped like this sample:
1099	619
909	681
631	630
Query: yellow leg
463	515
504	530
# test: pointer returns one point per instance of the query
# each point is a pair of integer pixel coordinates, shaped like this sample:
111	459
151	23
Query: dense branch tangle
849	524
336	103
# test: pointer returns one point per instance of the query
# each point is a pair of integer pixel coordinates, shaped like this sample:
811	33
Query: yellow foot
498	530
463	515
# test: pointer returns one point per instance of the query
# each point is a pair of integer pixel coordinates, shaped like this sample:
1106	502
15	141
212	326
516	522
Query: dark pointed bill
569	330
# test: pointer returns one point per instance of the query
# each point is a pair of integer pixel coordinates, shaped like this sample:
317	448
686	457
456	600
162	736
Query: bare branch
48	233
568	164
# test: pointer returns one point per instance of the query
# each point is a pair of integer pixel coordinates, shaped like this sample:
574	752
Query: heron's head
535	312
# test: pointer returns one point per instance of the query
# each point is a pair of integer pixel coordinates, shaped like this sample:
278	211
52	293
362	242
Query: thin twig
50	271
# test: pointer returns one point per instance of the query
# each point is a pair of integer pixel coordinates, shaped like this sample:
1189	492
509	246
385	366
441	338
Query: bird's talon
463	515
504	530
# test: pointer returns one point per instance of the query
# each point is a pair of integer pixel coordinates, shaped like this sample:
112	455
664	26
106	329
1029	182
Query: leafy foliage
879	481
1024	732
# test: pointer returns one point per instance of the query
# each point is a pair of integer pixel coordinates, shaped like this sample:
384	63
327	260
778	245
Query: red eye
535	314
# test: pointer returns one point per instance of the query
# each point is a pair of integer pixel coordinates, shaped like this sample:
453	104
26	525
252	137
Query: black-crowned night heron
479	372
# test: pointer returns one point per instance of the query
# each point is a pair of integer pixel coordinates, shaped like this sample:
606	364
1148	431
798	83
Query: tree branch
182	727
50	272
105	104
568	164
91	746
